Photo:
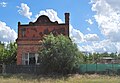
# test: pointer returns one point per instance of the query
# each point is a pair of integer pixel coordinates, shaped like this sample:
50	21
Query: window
23	30
30	59
25	59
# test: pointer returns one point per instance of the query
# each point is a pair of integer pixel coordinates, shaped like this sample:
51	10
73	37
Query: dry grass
21	78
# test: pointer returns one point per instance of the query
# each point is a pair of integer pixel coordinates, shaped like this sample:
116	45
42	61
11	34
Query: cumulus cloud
107	15
101	46
105	46
89	21
75	35
91	37
3	4
114	3
52	14
24	10
6	33
108	18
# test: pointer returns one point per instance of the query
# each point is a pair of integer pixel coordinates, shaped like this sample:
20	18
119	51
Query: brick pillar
67	18
67	22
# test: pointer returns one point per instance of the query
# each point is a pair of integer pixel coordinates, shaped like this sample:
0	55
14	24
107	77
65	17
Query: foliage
59	54
8	53
1	46
96	57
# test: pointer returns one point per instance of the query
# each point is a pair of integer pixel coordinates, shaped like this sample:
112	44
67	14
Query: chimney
19	23
67	18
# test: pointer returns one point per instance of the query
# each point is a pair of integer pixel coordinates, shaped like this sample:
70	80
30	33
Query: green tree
1	46
96	57
8	53
105	54
59	55
86	59
114	55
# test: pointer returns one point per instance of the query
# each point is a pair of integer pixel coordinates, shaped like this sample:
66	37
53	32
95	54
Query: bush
59	55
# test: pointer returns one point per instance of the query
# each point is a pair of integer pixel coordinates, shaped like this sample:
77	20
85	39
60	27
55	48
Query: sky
94	24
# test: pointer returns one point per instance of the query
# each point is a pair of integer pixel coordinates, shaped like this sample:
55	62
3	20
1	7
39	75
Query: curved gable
43	20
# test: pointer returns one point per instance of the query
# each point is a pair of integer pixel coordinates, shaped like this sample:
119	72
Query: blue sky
94	24
79	11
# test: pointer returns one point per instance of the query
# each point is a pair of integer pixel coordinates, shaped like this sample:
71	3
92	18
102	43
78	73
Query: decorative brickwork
30	35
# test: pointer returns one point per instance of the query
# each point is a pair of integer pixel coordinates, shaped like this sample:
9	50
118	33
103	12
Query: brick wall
26	49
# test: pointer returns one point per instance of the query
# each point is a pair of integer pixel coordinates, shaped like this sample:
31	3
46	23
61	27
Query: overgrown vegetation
59	79
59	55
96	57
8	53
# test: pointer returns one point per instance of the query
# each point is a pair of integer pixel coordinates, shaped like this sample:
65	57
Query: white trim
28	58
36	58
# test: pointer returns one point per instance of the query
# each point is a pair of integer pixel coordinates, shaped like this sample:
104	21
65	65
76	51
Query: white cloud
3	4
114	3
88	29
50	13
108	18
91	37
76	35
105	46
24	10
101	46
6	33
89	21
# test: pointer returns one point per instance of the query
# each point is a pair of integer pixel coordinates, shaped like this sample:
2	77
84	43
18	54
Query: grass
23	78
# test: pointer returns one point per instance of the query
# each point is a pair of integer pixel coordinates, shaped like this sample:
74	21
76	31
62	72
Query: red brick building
30	37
